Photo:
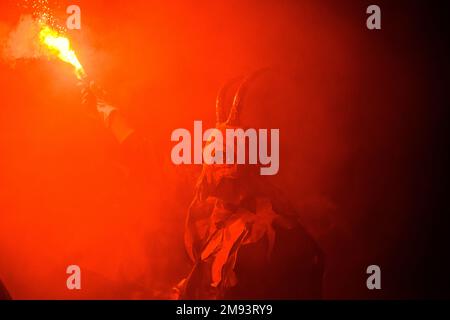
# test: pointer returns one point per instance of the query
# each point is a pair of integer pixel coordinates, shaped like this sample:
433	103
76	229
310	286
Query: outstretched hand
93	97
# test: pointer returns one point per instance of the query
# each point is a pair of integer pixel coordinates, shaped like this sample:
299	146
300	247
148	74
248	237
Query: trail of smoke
23	41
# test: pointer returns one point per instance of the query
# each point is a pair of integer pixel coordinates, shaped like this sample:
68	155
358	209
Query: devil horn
220	100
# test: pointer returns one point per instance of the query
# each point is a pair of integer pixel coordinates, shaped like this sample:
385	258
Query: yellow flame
60	46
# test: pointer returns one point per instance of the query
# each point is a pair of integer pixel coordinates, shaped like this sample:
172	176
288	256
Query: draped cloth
234	226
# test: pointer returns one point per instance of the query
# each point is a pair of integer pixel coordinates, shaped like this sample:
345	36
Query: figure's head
229	180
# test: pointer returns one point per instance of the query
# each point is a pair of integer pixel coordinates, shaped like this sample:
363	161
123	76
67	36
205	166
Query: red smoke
339	95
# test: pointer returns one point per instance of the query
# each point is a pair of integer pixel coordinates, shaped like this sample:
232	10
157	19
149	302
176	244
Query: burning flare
60	46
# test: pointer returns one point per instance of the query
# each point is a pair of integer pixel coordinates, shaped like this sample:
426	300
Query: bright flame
60	46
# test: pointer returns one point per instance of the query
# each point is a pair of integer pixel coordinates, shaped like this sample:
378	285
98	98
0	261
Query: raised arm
94	98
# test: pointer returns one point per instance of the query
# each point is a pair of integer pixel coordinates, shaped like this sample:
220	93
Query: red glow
65	199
